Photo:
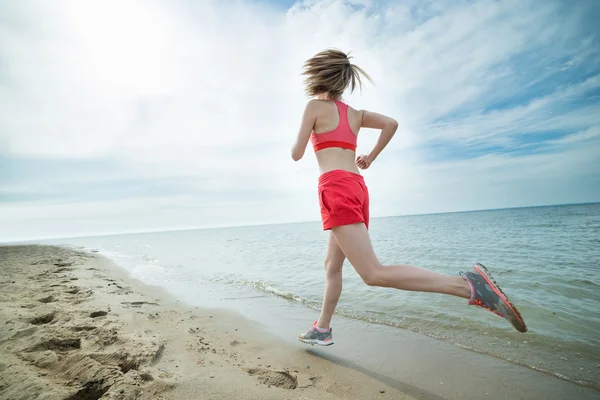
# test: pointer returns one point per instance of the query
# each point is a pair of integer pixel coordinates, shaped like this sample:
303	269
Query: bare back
327	119
321	124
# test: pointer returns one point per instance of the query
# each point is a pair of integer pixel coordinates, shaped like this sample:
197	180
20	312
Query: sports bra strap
343	113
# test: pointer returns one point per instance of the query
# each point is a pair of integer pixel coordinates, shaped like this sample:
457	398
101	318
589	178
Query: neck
325	96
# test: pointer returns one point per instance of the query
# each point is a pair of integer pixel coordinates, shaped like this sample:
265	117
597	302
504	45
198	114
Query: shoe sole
317	342
492	282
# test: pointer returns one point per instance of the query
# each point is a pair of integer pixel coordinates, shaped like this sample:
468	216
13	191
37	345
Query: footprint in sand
146	376
58	271
124	360
280	379
138	303
64	264
43	319
57	344
46	261
84	328
47	299
97	314
90	390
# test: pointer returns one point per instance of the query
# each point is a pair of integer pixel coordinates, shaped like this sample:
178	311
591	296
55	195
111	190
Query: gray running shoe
487	294
314	336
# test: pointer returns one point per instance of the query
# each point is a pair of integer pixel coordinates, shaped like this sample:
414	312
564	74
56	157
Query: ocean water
547	260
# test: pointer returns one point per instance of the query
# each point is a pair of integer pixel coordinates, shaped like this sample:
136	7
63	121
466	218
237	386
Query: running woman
332	127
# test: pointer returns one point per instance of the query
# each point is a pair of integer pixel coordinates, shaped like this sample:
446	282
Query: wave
585	282
266	288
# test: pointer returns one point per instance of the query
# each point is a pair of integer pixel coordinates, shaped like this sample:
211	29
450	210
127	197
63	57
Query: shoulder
317	107
312	103
317	103
354	111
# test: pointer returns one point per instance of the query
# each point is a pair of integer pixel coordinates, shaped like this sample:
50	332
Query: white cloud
209	94
506	126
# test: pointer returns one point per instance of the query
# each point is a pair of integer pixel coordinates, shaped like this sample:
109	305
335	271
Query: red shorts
344	199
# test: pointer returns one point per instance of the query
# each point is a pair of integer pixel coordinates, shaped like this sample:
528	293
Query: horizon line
218	226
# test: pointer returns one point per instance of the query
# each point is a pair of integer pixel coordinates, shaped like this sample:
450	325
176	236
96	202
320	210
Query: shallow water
547	260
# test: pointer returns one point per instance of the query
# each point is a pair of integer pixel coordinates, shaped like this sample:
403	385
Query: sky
136	115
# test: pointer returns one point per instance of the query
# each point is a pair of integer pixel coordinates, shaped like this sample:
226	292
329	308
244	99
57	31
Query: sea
546	259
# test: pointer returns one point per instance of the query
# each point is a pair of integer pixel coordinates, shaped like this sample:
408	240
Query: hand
363	161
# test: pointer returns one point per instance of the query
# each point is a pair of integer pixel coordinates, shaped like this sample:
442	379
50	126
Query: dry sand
73	326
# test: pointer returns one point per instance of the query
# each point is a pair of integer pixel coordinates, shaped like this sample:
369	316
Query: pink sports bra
342	136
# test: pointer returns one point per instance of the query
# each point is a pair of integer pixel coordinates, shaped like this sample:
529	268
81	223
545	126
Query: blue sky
182	114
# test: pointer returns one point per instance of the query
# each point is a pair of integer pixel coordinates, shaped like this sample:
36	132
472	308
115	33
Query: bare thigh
335	256
355	243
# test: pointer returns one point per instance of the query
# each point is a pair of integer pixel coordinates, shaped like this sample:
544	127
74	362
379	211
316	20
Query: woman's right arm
388	128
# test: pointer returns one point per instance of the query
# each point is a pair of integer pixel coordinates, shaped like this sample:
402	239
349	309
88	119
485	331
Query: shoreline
73	326
152	346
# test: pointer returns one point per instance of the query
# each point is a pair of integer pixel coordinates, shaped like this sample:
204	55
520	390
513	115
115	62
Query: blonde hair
330	71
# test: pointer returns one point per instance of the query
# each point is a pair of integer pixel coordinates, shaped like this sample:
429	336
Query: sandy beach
74	326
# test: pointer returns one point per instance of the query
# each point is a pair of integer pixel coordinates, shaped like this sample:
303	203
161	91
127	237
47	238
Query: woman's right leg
481	290
355	243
